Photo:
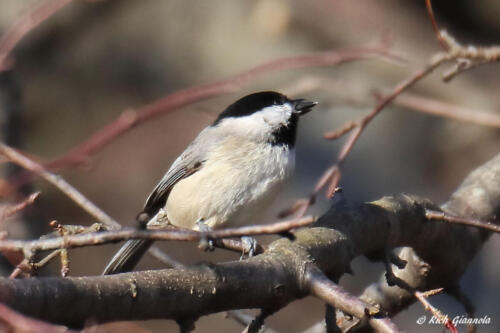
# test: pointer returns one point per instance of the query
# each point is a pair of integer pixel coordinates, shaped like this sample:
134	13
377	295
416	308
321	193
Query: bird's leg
249	246
205	243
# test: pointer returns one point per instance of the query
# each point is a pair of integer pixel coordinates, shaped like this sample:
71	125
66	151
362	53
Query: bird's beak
302	106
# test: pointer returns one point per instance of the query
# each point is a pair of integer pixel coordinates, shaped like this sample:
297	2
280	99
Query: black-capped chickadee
228	175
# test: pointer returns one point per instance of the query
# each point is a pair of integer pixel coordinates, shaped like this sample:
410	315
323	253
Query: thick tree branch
444	252
325	289
277	277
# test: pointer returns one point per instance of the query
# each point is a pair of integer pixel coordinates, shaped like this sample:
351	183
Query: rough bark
441	255
277	277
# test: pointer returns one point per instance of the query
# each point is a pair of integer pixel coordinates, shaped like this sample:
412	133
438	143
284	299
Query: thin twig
448	110
64	262
178	99
398	89
236	245
325	289
60	184
422	298
20	268
48	258
442	216
332	175
26	23
357	93
26	267
457	293
430	12
112	236
13	209
333	135
467	57
73	194
455	52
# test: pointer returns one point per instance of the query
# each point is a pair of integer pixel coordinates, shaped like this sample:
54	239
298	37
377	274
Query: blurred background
92	60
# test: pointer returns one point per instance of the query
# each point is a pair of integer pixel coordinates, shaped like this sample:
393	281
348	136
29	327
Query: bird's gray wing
132	251
190	161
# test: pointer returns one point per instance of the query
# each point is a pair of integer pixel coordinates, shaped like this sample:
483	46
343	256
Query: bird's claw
205	244
249	246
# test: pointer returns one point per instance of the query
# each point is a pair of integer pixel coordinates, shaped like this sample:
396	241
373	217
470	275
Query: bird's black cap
255	102
250	104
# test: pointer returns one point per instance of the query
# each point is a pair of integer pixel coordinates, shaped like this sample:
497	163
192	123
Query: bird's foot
249	246
205	243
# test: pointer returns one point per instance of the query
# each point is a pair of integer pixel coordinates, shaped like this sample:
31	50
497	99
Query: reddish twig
455	52
442	216
184	97
13	209
448	110
357	94
332	175
349	126
71	192
422	298
113	236
435	62
383	102
457	293
27	268
325	289
467	57
22	267
59	183
299	207
26	23
439	37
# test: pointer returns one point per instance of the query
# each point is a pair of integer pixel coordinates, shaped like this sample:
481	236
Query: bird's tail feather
128	256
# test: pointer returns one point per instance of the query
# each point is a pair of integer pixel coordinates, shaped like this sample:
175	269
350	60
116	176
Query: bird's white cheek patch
276	115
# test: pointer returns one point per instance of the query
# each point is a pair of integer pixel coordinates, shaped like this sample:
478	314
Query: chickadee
228	175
